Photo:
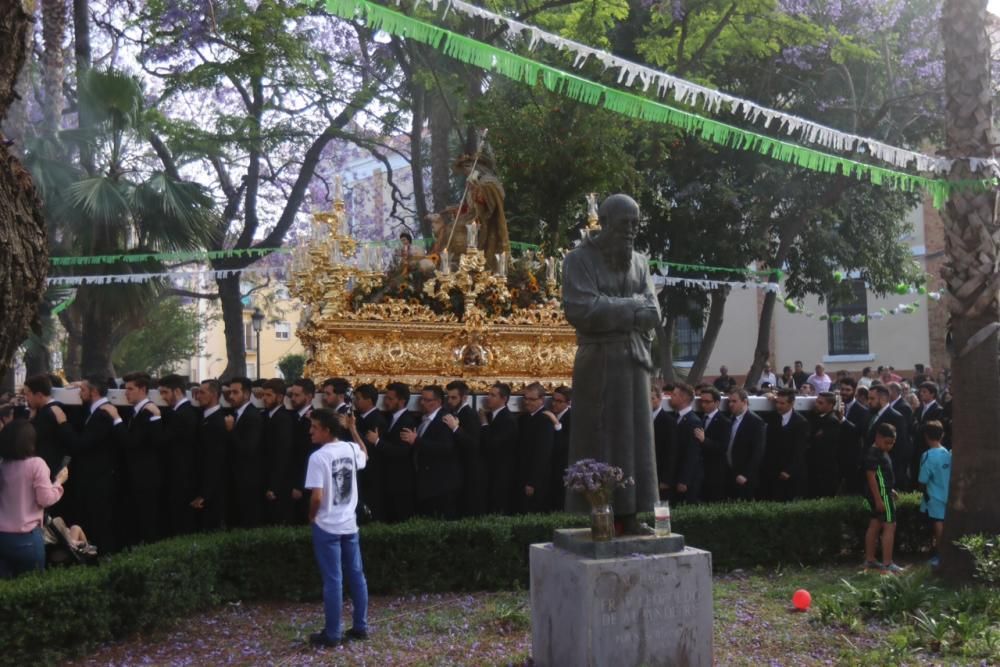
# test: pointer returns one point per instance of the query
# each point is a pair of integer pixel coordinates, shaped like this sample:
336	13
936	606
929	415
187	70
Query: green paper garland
66	303
520	68
194	256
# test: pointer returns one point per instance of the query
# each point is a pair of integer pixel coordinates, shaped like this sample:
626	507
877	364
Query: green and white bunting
530	72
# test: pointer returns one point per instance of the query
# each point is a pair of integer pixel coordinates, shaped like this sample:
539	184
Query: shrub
66	611
985	551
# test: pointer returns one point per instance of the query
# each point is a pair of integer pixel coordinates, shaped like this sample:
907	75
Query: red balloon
801	599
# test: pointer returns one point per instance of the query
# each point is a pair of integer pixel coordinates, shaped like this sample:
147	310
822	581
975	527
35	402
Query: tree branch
162	152
175	291
683	67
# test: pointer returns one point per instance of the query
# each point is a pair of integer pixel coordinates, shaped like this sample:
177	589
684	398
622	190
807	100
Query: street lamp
257	322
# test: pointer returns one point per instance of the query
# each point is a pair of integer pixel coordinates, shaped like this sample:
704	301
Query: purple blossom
595	479
677	10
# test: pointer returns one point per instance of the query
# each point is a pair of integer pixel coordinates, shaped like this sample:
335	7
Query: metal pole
258	353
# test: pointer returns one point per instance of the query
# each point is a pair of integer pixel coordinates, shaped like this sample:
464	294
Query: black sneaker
360	635
320	639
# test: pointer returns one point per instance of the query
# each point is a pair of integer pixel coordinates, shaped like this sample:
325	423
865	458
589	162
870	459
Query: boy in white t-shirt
332	476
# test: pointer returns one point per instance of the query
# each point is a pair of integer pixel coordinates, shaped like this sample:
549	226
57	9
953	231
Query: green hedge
68	610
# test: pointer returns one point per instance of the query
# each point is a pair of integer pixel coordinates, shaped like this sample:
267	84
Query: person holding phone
25	492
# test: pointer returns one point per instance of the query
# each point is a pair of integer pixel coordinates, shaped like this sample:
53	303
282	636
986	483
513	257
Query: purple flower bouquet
596	480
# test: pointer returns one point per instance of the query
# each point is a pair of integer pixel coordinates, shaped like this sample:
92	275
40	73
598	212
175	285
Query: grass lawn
755	624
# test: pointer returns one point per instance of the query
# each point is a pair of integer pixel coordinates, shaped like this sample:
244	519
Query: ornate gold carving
395	340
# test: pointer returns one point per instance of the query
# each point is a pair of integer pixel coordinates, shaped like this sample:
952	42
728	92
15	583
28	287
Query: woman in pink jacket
25	492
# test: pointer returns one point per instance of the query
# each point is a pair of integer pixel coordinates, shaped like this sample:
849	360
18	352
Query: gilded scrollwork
428	341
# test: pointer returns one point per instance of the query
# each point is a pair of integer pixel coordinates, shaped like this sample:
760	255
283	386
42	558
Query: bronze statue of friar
608	297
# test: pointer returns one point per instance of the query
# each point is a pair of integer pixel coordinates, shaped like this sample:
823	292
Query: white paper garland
707	284
138	278
693	94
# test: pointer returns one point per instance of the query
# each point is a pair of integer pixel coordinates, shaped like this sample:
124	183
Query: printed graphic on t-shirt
343	475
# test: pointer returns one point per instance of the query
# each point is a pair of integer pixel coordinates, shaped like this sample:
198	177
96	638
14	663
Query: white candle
472	230
445	263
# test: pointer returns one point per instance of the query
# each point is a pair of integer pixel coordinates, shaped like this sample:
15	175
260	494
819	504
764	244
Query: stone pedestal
621	611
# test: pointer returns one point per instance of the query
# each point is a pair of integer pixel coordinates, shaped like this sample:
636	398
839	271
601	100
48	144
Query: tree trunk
81	51
24	259
95	353
417	151
712	327
972	236
53	66
70	319
232	319
440	126
665	339
37	358
15	125
762	351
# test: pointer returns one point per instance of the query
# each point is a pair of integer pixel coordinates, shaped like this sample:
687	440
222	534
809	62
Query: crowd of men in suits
198	465
707	454
213	460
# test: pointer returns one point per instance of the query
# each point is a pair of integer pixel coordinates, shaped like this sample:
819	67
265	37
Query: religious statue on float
482	202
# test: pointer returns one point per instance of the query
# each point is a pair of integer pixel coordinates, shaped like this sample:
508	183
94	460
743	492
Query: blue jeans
337	555
21	552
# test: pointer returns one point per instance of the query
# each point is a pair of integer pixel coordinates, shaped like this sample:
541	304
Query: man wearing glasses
439	472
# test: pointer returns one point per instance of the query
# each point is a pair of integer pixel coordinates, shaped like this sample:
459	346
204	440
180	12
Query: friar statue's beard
617	253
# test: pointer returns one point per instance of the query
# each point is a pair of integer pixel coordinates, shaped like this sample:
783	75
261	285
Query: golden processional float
376	315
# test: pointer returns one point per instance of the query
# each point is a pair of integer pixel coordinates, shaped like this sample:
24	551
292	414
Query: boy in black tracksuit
879	497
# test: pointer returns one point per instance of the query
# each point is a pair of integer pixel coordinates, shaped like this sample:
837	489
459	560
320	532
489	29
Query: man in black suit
51	443
92	445
882	413
336	393
277	445
212	499
687	468
852	436
664	434
464	424
562	402
245	427
300	395
745	450
142	442
399	476
498	442
904	438
785	458
180	426
371	423
930	410
439	471
823	458
535	440
714	440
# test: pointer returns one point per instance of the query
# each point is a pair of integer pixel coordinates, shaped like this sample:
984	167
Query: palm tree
124	205
971	272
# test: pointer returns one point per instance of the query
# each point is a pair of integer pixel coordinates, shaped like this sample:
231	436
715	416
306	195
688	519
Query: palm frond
101	199
111	96
172	214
